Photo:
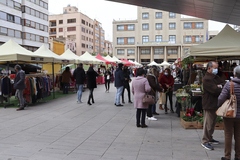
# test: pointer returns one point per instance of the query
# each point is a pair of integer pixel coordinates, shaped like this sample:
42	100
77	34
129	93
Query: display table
100	80
177	86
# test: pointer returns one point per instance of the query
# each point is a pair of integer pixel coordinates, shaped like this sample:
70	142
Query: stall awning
69	54
103	59
92	60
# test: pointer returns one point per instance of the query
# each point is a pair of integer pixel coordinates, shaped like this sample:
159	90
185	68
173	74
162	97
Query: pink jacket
140	87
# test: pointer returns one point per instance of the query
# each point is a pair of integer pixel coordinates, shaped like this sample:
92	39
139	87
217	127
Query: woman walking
232	125
66	77
140	87
167	83
91	83
107	76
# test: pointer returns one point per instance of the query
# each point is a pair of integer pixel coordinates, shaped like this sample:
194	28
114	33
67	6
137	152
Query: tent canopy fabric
11	51
153	63
52	57
109	58
136	63
127	62
69	54
165	64
88	57
103	59
223	46
117	60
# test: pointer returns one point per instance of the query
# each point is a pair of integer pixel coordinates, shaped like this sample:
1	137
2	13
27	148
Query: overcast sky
105	12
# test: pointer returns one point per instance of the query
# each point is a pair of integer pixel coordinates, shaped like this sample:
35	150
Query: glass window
37	38
187	39
37	26
37	2
145	15
18	34
41	3
10	18
71	20
32	24
41	27
33	1
17	6
158	38
28	36
172	15
158	25
32	12
45	17
11	32
198	40
130	40
120	40
158	51
145	51
17	20
172	25
27	10
37	14
3	31
46	28
41	39
41	15
83	29
145	39
60	29
60	21
131	51
172	51
120	27
3	1
130	27
187	25
33	37
10	3
3	15
27	23
45	40
120	51
45	5
199	25
172	38
145	26
158	14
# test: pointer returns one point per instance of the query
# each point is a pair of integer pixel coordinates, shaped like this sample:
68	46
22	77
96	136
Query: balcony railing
52	32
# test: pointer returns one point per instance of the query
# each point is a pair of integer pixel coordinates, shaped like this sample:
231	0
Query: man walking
19	85
119	78
80	76
212	86
126	85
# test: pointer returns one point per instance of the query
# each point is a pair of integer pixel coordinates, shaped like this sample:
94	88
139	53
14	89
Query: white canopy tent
116	60
224	46
153	63
87	57
11	51
52	57
69	54
165	64
136	63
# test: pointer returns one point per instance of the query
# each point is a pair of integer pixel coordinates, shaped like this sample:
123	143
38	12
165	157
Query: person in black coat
79	75
126	81
107	76
91	83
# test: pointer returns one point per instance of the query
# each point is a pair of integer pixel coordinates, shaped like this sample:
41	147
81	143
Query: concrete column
138	55
179	52
165	53
152	55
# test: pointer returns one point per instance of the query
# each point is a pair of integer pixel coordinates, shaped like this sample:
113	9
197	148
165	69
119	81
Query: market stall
153	63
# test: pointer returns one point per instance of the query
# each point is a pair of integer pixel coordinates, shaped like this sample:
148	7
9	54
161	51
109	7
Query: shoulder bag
229	107
148	99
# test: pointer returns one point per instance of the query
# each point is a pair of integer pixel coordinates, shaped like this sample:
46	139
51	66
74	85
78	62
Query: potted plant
188	119
199	119
219	125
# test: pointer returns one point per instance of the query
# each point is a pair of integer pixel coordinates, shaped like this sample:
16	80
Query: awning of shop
90	59
103	59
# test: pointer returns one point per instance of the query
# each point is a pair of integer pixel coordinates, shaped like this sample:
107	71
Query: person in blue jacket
119	78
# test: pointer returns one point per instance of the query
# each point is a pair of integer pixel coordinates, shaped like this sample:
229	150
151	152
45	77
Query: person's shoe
19	109
155	113
213	142
130	102
123	102
89	103
79	102
115	104
119	105
144	126
93	101
108	91
223	158
138	125
152	119
160	107
207	146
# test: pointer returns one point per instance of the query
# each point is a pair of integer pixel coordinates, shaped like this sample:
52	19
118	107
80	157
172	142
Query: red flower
200	114
183	98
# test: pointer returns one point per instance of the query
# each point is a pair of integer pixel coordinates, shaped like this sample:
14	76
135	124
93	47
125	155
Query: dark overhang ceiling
227	11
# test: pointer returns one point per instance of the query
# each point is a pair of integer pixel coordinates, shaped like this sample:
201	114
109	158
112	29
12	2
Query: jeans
19	94
65	88
79	92
118	94
138	116
169	94
107	84
154	108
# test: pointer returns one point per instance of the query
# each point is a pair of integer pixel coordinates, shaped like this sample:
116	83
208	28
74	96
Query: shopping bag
162	98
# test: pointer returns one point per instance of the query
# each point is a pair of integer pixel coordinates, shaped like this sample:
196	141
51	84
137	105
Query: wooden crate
219	126
189	125
182	113
199	125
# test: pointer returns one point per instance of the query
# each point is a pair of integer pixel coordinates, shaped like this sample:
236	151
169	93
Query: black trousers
90	94
169	95
107	84
141	113
129	93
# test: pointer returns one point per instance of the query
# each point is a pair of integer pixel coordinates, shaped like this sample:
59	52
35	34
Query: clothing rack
8	98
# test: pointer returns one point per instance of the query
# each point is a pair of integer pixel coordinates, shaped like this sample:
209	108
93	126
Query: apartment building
157	35
24	21
99	37
108	47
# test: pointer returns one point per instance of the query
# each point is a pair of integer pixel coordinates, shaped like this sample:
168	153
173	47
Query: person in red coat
167	83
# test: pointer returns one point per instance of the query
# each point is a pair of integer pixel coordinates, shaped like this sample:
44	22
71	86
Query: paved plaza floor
61	129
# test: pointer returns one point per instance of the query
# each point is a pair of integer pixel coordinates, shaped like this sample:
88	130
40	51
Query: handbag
229	107
148	99
162	98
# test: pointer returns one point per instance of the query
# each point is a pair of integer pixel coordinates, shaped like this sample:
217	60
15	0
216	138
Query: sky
105	11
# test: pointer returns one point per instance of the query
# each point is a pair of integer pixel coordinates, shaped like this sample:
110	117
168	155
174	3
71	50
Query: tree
93	54
105	54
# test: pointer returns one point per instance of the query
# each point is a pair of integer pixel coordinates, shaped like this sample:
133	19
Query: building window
120	27
187	25
198	40
18	34
10	18
158	25
96	41
158	51
158	15
158	38
96	28
199	25
130	40
145	61
145	26
71	28
71	20
172	38
172	15
145	51
172	51
17	6
131	51
60	21
145	15
17	20
60	29
3	31
11	32
83	22
27	23
83	45
120	51
83	37
83	29
131	27
32	24
3	15
120	40
172	25
145	39
187	39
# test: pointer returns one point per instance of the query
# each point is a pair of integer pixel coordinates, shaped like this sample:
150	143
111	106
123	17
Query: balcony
51	33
